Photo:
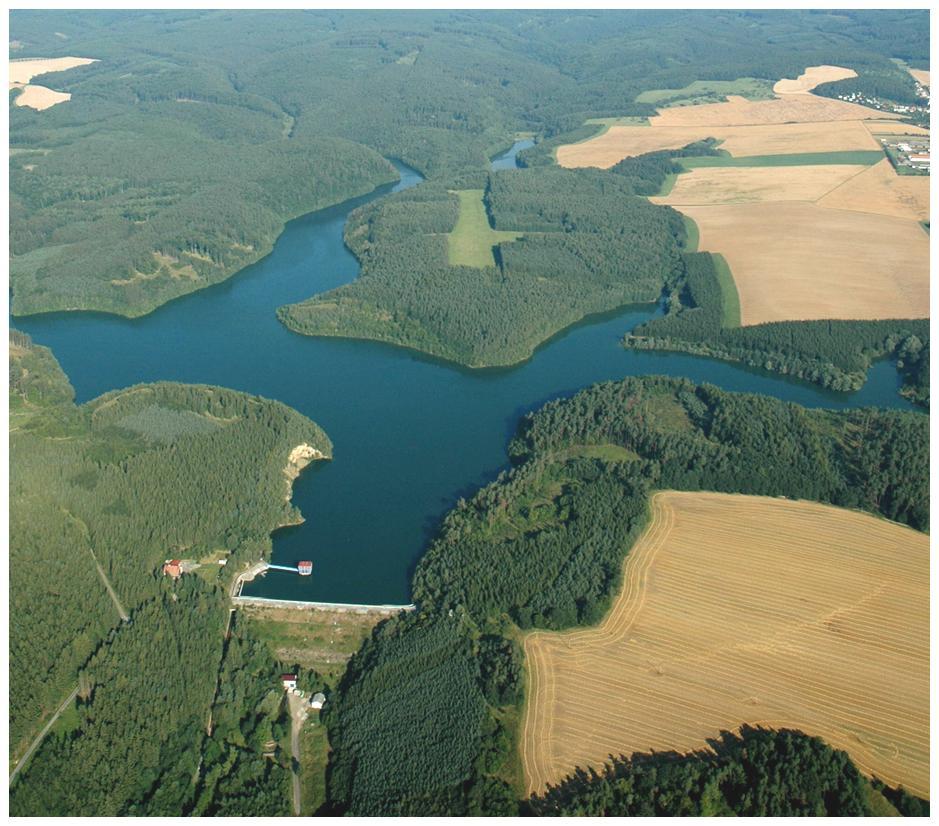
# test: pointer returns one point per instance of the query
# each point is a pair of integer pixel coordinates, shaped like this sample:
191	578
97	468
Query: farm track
740	610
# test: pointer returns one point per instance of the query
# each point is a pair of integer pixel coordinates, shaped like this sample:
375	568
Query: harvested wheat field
744	609
40	97
738	111
620	142
796	261
738	185
890	128
879	190
812	77
23	71
920	76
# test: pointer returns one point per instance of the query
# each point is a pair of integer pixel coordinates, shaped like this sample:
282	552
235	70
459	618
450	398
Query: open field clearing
736	185
891	128
744	609
920	76
471	242
40	97
810	78
881	191
620	142
705	91
794	121
23	71
321	640
795	261
738	111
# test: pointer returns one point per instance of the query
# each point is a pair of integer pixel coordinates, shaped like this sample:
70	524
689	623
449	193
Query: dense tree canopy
197	134
835	354
125	482
756	773
588	245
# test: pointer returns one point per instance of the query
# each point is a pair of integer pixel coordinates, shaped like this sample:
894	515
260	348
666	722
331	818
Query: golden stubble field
794	122
41	97
744	609
878	189
747	184
812	77
797	261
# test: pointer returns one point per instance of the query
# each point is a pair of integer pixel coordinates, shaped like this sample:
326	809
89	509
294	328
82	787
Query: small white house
318	700
289	681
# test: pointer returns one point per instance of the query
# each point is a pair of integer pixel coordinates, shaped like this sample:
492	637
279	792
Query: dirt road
35	744
298	712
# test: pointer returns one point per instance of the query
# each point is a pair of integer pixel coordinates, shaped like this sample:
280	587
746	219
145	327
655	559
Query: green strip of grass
860	158
730	300
691	234
704	91
606	123
668	184
471	242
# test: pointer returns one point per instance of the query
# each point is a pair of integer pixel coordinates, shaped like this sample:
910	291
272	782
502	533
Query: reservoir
410	434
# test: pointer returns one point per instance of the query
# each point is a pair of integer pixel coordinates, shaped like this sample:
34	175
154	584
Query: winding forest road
35	744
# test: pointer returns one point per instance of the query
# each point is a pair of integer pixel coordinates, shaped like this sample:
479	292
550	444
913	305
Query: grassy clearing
856	158
321	640
471	242
667	185
606	123
606	452
314	755
709	91
730	299
692	235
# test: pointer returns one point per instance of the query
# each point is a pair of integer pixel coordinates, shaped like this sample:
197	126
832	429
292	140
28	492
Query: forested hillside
587	245
100	495
543	546
197	134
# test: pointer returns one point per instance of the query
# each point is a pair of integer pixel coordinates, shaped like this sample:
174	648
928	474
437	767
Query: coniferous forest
197	135
587	245
101	494
542	547
183	152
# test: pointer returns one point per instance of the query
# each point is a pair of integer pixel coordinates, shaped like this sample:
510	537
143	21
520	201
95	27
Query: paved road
35	744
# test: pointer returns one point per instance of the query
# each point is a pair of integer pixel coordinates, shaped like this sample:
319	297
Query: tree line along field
745	610
542	547
188	143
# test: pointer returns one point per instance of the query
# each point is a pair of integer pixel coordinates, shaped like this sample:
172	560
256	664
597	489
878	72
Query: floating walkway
350	607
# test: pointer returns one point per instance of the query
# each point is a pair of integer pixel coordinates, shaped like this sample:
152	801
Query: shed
318	700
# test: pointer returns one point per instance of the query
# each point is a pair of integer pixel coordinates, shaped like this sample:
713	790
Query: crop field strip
800	255
793	122
835	642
